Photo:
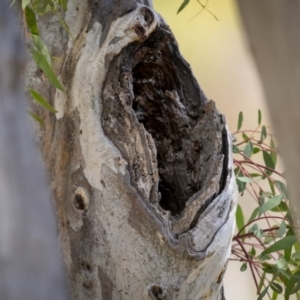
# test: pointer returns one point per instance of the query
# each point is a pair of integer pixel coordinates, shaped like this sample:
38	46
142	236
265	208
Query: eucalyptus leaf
259	117
41	100
285	243
271	203
31	21
43	64
263	134
248	151
239	216
268	162
282	229
276	287
40	45
263	293
243	267
240	120
183	5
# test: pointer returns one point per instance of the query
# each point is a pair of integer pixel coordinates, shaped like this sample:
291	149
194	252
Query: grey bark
31	266
273	32
139	159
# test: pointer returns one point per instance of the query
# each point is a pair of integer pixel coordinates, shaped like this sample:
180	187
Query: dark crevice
187	130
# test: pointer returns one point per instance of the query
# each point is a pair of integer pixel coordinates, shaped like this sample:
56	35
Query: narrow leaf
255	150
271	203
43	64
40	45
41	100
263	293
271	186
282	229
247	179
254	214
283	189
239	216
263	134
243	267
259	117
235	149
36	117
268	162
273	151
183	5
276	287
31	21
282	244
240	121
248	149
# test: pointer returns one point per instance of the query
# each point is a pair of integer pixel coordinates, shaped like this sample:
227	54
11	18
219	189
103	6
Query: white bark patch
87	87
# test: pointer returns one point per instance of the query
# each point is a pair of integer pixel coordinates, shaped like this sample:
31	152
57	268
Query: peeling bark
139	160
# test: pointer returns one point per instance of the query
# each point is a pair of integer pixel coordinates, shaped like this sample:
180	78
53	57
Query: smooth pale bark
139	159
31	266
273	31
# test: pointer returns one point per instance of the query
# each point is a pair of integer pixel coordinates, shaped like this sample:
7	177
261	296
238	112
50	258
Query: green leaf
263	134
243	267
43	64
248	149
282	229
255	150
36	117
239	216
183	5
25	3
282	187
240	121
235	149
273	151
291	285
259	117
254	214
268	162
263	293
245	136
276	287
31	21
271	186
41	47
41	100
252	252
285	243
281	263
247	179
282	207
271	203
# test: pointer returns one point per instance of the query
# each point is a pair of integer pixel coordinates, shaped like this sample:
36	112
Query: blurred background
219	56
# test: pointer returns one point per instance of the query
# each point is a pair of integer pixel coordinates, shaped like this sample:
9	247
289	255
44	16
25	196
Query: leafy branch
266	242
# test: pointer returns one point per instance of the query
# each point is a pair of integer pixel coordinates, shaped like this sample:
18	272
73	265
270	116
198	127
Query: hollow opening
161	105
186	128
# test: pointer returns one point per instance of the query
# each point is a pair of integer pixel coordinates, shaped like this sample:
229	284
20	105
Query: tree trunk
273	30
31	266
139	159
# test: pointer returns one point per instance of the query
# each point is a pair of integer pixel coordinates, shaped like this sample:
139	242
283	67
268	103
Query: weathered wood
139	160
31	266
273	31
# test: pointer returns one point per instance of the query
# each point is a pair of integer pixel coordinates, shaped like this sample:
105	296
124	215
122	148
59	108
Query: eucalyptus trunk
272	27
138	158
